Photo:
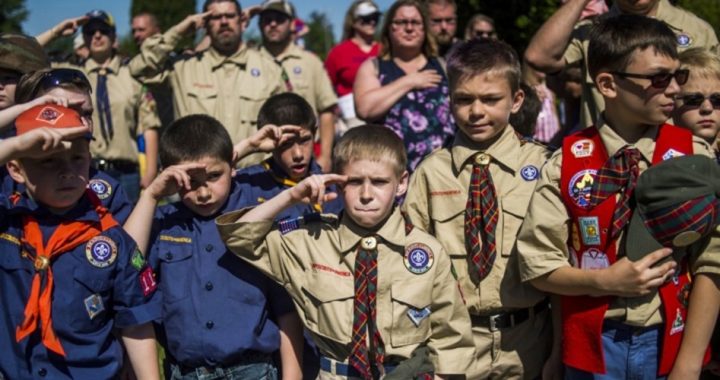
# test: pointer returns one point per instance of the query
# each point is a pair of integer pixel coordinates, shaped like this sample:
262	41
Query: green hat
281	6
676	206
21	53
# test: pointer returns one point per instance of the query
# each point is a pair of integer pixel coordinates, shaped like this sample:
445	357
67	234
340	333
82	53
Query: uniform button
482	159
42	372
209	286
368	243
209	247
169	256
209	324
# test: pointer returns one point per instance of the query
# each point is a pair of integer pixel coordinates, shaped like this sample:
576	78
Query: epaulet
289	225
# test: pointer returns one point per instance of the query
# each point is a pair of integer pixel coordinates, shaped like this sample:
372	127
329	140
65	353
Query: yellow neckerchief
287	182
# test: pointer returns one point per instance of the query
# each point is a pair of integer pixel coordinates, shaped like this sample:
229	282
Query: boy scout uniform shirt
437	199
215	307
89	301
307	76
132	111
259	184
691	31
542	240
315	264
231	89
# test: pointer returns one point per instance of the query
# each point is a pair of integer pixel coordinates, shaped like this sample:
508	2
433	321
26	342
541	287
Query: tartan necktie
364	310
619	173
285	77
102	99
481	217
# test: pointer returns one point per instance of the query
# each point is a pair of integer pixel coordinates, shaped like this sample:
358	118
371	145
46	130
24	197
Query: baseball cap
366	9
47	115
21	53
281	6
97	16
677	206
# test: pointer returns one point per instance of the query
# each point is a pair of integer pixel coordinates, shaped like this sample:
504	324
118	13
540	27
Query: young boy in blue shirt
70	277
290	163
220	316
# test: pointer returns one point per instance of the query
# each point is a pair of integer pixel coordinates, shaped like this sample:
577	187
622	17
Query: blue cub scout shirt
96	290
215	307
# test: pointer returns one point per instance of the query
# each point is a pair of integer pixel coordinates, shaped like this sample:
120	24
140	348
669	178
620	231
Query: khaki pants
518	352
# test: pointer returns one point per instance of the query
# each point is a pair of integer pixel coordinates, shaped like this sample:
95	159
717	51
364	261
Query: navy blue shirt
215	307
93	294
261	182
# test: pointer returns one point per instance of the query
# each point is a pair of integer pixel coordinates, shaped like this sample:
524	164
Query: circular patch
255	72
418	258
686	238
101	187
580	187
101	251
297	70
529	172
683	40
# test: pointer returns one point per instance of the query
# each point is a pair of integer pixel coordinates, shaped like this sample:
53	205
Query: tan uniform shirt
315	265
691	31
542	241
307	76
231	89
436	202
132	111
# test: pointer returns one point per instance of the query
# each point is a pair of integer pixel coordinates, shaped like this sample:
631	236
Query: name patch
326	268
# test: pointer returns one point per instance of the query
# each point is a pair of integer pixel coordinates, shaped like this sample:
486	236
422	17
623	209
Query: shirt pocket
175	271
204	98
411	312
331	305
251	99
94	297
514	208
448	223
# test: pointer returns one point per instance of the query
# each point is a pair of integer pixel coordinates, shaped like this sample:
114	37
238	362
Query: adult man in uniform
144	25
561	42
228	81
443	23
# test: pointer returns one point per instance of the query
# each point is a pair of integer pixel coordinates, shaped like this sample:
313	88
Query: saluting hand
626	278
193	22
42	142
311	190
172	179
267	139
68	27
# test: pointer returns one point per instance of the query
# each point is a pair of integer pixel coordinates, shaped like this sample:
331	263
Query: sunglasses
369	19
659	80
697	99
58	77
270	16
103	29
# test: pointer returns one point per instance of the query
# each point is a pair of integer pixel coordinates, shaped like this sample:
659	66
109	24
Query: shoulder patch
418	258
101	251
101	187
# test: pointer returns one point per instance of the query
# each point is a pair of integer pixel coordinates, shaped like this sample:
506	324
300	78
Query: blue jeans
250	371
630	353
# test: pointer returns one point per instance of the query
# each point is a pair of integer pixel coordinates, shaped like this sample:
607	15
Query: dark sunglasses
369	19
697	99
270	16
103	29
659	80
58	77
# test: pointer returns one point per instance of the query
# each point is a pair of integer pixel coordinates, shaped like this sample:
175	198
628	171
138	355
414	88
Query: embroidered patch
582	148
594	259
417	315
589	230
10	238
671	153
288	225
101	251
94	305
255	72
529	172
147	281
49	115
175	239
678	324
101	187
137	260
418	258
580	187
684	295
683	40
297	70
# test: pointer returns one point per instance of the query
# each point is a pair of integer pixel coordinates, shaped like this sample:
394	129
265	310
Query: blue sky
43	14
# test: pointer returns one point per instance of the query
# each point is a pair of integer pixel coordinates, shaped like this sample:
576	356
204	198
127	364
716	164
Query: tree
12	15
708	10
320	37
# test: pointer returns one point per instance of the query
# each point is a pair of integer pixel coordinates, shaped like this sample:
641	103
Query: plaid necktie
481	217
102	99
619	173
364	322
285	76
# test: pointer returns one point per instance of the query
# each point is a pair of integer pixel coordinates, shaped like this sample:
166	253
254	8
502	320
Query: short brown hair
287	108
429	47
370	142
701	62
28	88
470	27
614	40
481	56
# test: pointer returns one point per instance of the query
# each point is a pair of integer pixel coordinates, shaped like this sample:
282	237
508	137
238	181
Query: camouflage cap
21	53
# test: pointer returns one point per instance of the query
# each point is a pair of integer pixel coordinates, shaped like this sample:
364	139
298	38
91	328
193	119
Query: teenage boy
220	316
620	318
370	287
473	197
290	163
70	277
697	106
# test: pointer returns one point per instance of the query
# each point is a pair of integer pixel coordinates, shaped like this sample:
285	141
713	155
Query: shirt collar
113	66
392	231
613	142
664	13
502	150
216	59
83	211
292	51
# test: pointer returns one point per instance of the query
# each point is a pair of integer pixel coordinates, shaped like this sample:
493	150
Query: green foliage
12	15
320	38
708	10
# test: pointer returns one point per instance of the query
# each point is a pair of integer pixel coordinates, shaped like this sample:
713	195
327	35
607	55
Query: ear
403	184
606	85
16	171
518	99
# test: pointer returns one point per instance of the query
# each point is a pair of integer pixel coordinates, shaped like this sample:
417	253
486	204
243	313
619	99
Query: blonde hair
701	62
373	143
429	46
348	31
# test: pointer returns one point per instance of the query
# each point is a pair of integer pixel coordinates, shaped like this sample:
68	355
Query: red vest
590	248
